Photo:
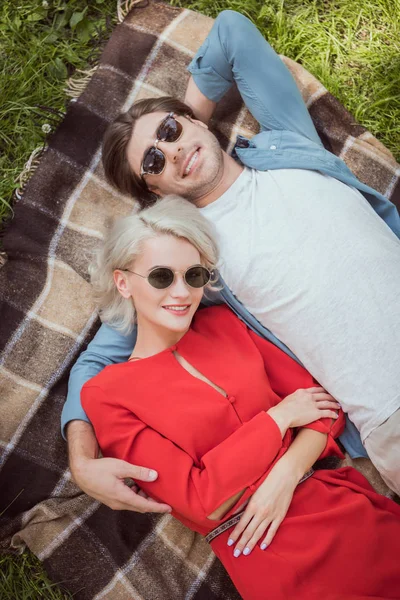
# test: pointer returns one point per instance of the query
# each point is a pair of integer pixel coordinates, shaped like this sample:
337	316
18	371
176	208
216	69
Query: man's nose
171	150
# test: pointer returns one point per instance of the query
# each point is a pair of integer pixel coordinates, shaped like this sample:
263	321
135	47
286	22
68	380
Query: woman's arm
286	376
269	504
194	489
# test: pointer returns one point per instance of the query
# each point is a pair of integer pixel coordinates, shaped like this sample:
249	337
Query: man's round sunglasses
162	278
153	162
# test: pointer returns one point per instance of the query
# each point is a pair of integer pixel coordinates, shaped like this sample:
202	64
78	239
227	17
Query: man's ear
197	122
154	190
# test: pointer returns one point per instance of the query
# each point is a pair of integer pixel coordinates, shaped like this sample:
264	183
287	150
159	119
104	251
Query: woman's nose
179	288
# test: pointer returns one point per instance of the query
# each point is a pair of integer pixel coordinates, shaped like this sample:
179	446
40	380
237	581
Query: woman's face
171	309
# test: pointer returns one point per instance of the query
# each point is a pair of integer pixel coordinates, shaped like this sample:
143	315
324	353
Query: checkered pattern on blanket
47	317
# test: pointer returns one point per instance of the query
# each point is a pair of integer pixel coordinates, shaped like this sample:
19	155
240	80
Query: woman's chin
178	322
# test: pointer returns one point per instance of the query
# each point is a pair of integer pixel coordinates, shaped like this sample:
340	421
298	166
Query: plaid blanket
48	316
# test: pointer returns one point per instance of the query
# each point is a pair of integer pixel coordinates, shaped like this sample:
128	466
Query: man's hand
266	510
103	478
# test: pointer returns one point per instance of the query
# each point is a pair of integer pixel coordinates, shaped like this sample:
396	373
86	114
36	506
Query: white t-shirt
311	260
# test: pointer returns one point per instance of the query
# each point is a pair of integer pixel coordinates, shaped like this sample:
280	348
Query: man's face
197	149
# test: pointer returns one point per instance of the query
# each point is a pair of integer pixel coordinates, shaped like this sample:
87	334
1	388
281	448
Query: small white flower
46	128
45	4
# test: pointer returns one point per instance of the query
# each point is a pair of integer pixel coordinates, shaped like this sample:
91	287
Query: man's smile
191	162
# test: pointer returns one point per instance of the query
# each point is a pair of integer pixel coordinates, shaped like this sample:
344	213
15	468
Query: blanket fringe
123	8
29	168
77	84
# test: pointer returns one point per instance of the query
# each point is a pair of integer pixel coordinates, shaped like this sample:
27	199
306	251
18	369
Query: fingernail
230	542
237	553
152	475
263	546
246	551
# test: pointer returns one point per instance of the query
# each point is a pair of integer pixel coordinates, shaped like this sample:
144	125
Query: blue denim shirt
287	140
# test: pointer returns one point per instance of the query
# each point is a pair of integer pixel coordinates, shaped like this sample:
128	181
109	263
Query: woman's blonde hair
123	243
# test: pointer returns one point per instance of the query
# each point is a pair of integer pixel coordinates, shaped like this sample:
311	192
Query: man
312	266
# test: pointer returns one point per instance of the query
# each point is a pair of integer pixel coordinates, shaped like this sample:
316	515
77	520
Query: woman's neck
151	340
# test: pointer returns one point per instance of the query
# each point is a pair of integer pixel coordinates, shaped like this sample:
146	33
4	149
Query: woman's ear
121	283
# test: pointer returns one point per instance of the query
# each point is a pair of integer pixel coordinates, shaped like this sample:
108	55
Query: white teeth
191	162
176	308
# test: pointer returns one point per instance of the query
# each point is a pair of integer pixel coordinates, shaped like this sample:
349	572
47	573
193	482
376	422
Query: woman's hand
304	407
266	510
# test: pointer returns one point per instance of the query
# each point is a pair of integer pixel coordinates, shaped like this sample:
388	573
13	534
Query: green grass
41	44
352	46
22	578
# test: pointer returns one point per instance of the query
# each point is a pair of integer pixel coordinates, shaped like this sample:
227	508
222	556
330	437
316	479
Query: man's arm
102	479
235	51
202	107
107	347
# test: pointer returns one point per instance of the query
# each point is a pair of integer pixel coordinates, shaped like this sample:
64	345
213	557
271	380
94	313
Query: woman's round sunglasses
153	162
162	278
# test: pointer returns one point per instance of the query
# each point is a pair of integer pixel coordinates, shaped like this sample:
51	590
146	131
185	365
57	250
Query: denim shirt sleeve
107	347
235	51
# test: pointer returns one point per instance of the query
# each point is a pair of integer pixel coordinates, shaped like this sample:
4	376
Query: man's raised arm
103	478
235	51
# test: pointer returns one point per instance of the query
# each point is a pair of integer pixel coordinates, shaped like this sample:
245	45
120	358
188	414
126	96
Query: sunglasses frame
155	146
183	273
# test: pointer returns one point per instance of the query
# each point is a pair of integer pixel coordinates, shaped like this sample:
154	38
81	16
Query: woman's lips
179	310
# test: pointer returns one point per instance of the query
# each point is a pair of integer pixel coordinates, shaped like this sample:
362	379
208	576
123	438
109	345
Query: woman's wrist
280	417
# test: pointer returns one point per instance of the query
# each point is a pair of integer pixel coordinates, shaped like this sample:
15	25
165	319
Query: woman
212	407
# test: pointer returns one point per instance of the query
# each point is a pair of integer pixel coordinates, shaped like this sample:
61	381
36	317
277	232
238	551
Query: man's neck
231	171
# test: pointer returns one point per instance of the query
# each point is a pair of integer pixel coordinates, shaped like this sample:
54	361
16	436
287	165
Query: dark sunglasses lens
169	130
197	277
161	278
153	161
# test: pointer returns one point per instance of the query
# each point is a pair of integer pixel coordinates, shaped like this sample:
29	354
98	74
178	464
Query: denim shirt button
273	147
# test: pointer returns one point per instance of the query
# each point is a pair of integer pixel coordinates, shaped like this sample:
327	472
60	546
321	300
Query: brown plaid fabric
48	316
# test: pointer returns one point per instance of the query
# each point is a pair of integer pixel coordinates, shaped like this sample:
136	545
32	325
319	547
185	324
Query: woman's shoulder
111	377
216	316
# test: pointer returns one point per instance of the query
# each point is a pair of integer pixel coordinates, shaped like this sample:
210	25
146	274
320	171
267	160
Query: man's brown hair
116	166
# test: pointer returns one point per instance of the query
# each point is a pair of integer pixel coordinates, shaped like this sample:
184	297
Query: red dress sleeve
193	490
286	376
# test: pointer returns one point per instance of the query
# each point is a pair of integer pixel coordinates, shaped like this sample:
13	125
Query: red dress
339	540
